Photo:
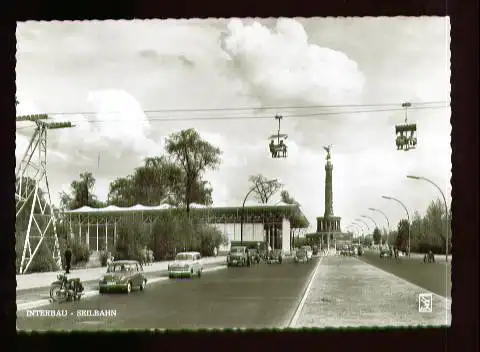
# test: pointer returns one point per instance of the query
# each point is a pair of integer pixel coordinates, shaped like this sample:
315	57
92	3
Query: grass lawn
432	277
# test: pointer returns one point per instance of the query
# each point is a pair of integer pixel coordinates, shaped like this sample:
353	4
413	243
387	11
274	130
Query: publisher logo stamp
425	301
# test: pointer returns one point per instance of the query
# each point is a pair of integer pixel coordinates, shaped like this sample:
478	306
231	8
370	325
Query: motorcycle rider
68	259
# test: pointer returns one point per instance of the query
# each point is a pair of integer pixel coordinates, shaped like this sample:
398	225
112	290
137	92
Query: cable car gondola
406	133
279	149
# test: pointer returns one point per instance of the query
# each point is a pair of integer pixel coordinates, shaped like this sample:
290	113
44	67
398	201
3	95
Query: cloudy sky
126	85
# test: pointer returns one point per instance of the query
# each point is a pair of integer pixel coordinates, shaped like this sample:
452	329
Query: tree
299	222
194	155
81	193
264	190
377	236
435	223
401	240
287	198
417	231
159	180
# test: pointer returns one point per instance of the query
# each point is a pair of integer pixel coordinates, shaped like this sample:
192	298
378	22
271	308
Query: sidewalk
347	292
40	280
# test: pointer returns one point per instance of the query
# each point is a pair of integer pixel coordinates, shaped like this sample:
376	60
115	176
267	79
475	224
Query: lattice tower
32	194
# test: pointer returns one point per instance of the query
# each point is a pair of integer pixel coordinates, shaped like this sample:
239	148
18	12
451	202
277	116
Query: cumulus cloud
281	65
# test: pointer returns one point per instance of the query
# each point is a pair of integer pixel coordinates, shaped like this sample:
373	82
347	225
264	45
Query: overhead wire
150	118
250	108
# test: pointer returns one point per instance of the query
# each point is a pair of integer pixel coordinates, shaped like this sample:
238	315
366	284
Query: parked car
123	275
385	253
275	257
301	256
254	256
309	251
238	256
186	264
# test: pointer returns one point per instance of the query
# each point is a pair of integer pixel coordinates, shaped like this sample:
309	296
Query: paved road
435	278
43	292
258	297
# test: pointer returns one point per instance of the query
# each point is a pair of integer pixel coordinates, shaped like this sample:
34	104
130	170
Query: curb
87	294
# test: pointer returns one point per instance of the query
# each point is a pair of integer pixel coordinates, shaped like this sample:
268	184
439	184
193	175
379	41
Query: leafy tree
158	180
81	194
428	232
121	192
298	222
287	198
377	236
194	155
264	190
401	240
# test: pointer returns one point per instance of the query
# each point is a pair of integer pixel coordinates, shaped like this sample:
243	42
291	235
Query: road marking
308	287
87	294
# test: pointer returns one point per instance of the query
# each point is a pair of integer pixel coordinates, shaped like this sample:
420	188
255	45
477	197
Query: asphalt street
263	296
44	292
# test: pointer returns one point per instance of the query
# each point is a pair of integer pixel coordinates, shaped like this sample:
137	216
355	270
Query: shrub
210	238
43	260
132	237
80	252
103	258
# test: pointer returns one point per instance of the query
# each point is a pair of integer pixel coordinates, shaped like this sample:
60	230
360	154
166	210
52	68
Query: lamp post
362	228
243	205
365	223
359	229
386	218
444	202
408	217
374	223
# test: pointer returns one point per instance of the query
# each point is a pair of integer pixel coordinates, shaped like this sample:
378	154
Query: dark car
301	256
274	257
386	253
360	250
123	275
254	256
238	256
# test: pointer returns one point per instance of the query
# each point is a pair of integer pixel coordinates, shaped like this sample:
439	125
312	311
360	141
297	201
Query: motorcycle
65	289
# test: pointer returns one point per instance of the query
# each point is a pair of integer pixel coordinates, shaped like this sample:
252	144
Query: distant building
272	224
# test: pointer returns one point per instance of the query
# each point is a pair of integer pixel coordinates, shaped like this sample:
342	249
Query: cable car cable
206	118
146	111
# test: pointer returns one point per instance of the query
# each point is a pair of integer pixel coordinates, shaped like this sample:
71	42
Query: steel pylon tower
33	193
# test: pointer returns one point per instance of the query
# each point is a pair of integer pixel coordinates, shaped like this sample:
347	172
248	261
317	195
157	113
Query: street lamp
365	223
360	227
386	218
374	223
444	202
243	205
408	217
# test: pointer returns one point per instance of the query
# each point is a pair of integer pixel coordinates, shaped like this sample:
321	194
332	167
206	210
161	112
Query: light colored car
123	275
186	264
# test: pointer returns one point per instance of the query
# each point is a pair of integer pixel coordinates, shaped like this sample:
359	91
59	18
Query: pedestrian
68	259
